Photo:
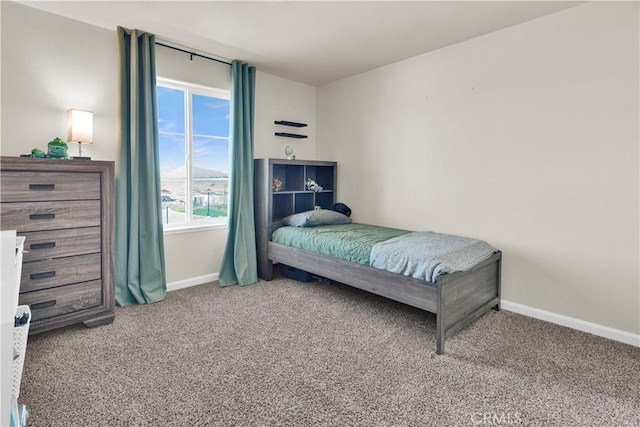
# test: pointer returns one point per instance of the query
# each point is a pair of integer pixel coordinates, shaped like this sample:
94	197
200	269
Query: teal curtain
239	264
139	246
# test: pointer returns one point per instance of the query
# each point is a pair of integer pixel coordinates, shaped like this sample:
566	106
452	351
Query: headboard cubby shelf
273	203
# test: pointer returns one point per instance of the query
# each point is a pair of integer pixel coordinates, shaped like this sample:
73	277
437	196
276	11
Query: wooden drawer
63	300
20	186
65	210
36	216
45	274
61	243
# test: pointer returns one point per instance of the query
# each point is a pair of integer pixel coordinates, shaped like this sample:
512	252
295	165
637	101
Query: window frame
190	89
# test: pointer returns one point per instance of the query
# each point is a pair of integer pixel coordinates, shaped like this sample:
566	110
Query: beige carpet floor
283	353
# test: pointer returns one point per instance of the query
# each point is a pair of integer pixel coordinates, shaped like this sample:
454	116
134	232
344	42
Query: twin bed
454	277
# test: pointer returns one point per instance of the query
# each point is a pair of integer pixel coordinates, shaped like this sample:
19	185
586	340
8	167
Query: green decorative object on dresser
58	149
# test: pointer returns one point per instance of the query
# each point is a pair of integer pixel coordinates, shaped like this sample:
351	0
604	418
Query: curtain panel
239	260
139	246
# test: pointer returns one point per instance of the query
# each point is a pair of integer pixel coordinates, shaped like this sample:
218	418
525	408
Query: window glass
193	124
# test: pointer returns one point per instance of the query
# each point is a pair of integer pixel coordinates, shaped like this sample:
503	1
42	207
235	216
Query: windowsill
193	228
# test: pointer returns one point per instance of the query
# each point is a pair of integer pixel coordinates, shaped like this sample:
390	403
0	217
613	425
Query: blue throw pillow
342	208
314	218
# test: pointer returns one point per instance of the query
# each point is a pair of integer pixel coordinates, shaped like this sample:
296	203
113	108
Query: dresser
279	191
65	211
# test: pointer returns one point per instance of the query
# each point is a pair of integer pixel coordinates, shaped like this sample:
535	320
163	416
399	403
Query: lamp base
81	158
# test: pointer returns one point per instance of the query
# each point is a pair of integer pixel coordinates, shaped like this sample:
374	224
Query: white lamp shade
79	126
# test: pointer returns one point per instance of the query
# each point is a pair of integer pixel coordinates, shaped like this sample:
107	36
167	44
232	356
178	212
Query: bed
456	297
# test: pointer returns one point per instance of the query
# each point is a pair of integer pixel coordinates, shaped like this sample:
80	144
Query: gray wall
51	64
526	137
45	73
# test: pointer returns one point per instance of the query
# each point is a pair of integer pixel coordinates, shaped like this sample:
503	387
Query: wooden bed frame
456	299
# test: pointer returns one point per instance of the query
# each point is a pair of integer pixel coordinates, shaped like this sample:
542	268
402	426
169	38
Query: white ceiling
313	42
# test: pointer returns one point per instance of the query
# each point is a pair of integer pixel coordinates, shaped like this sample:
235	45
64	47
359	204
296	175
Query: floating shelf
287	123
290	135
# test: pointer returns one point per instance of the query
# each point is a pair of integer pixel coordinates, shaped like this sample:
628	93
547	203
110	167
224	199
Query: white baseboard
570	322
547	316
192	281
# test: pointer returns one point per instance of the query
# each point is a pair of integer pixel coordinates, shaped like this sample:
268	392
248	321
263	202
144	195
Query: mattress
422	255
426	255
350	242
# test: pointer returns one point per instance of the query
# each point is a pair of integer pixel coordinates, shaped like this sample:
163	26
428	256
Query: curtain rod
192	54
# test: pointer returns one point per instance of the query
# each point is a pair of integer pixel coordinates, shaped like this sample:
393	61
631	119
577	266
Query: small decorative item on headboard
276	185
313	186
288	151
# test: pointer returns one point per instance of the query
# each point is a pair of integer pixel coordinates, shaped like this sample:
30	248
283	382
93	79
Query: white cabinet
13	339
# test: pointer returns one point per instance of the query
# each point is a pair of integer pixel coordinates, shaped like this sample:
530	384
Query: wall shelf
290	135
287	123
293	124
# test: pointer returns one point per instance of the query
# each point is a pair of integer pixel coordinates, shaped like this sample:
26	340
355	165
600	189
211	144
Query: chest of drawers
65	211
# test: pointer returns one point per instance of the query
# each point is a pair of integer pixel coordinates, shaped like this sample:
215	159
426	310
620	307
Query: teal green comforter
350	242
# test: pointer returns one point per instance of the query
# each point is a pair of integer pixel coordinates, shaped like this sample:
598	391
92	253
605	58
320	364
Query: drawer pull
45	275
42	187
42	216
40	305
47	245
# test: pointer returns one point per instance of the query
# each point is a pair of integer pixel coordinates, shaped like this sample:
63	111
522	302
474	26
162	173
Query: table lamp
80	129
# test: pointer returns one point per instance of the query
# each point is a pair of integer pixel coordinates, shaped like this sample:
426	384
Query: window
193	124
